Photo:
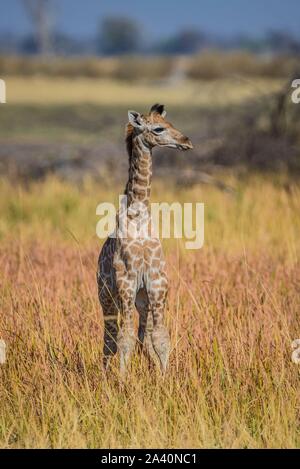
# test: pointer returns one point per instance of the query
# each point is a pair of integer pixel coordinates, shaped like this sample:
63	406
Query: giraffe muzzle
186	145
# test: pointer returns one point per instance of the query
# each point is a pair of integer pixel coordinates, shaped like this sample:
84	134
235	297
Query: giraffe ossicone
131	269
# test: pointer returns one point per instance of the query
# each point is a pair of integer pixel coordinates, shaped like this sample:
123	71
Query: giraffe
131	270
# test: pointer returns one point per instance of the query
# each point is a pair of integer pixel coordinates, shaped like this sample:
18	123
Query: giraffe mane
129	147
128	139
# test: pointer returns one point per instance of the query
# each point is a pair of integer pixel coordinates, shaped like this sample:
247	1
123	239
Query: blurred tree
29	45
244	42
41	14
186	41
282	42
63	44
119	35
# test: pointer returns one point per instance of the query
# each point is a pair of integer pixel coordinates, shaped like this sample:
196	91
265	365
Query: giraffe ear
135	119
159	108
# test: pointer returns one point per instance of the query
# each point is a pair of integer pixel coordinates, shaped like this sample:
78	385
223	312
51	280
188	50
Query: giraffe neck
140	173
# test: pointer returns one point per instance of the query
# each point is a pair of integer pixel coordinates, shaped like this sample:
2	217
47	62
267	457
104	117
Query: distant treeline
209	64
119	35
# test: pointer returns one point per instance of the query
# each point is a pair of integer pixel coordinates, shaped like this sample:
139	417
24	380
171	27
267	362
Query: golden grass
233	311
214	93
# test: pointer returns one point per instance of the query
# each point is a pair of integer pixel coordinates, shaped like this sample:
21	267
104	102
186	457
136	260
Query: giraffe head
156	131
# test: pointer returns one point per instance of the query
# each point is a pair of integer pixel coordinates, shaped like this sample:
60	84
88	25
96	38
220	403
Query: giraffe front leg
146	330
161	339
126	337
145	324
160	335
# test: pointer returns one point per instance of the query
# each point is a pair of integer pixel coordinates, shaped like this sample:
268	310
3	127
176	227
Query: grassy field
233	311
214	93
233	307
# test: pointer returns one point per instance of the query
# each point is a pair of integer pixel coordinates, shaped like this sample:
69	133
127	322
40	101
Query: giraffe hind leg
126	337
111	330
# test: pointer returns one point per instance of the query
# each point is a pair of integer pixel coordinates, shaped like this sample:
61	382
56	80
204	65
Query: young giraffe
131	269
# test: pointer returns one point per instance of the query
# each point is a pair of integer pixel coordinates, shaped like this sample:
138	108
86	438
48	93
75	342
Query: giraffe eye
158	130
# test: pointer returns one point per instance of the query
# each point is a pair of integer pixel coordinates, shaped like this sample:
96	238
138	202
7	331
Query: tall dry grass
233	311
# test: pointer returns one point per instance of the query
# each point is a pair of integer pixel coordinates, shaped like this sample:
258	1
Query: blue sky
159	18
